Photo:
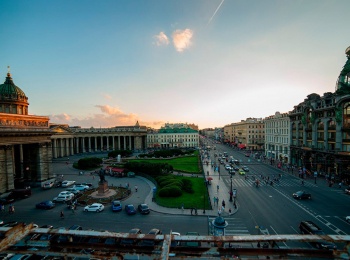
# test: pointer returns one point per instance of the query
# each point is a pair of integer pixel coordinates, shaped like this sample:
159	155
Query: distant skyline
207	62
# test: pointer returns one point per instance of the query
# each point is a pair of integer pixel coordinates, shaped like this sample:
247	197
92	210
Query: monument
102	184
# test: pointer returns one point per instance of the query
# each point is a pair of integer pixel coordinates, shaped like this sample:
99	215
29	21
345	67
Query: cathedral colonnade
67	141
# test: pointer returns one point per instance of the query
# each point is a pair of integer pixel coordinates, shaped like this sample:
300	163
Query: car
150	242
232	172
347	191
75	227
64	197
241	172
130	241
310	228
143	209
48	185
6	198
94	207
67	183
236	162
116	205
73	190
66	192
130	209
236	168
347	219
81	187
228	167
245	168
47	204
301	195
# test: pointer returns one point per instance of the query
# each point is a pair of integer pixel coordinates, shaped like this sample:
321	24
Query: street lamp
231	188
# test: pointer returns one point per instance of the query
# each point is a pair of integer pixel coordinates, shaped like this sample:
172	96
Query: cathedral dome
12	98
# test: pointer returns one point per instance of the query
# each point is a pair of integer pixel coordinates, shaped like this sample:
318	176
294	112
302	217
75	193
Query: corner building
320	130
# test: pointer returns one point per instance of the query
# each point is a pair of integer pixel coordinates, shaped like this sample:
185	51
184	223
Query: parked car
310	228
301	195
116	205
347	219
64	196
150	242
143	209
130	241
48	185
130	209
245	168
67	183
73	190
81	187
94	207
6	198
47	204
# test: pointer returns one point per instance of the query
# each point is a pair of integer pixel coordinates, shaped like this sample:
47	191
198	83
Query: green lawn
198	199
188	164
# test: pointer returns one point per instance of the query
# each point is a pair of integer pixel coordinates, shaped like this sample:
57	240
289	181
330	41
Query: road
274	208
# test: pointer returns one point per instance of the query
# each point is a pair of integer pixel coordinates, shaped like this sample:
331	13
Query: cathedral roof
10	92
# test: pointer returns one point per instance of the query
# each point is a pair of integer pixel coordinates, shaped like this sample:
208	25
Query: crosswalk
235	226
249	182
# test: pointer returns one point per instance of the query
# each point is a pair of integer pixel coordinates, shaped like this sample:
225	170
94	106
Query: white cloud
109	117
182	39
161	39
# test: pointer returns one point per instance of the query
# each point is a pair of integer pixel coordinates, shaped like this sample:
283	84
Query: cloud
182	39
108	117
161	39
106	96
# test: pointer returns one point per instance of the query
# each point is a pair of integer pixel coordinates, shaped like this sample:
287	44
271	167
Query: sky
206	62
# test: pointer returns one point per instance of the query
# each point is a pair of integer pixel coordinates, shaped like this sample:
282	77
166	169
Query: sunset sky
208	62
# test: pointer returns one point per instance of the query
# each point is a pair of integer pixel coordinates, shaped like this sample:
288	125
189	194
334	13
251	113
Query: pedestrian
217	187
2	208
222	208
235	205
182	208
135	188
229	211
339	185
73	209
13	209
62	215
191	211
195	211
219	212
214	199
10	209
223	204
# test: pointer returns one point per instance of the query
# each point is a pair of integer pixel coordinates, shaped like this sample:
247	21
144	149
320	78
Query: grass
199	199
189	164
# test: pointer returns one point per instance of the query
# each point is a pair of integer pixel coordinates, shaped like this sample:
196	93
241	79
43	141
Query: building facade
320	130
247	134
25	140
277	137
173	136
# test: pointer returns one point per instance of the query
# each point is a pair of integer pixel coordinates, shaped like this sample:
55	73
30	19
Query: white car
63	198
81	187
95	207
62	193
347	219
48	185
73	190
67	183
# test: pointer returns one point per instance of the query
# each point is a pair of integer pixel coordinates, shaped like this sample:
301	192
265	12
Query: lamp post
231	188
206	187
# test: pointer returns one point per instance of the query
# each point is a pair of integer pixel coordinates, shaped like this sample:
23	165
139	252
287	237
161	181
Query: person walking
2	207
136	188
223	204
62	215
219	212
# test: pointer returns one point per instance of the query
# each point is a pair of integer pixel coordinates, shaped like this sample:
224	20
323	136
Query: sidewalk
223	194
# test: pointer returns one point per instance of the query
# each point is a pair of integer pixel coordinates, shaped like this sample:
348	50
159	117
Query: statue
102	175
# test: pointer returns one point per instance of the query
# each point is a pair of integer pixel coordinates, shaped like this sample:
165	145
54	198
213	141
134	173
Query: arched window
346	115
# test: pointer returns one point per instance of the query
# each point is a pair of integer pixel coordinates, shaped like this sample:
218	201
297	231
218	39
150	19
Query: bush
187	186
89	163
170	191
172	182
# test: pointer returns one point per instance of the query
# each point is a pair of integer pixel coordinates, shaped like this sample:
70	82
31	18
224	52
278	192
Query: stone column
96	144
54	147
130	143
325	136
71	141
101	143
83	144
107	137
124	137
113	143
6	168
61	148
67	146
119	142
89	138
